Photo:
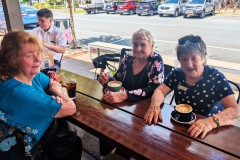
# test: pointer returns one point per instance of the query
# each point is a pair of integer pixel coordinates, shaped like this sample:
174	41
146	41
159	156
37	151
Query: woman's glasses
189	39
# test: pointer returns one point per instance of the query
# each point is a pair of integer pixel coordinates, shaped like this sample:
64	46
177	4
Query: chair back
236	89
168	69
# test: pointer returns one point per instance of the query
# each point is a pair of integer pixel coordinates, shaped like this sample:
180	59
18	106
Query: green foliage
41	5
24	1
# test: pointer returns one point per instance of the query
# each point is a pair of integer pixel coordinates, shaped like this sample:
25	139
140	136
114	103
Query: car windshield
171	1
122	3
196	2
143	3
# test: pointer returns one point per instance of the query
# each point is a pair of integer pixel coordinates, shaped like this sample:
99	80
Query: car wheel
88	11
107	12
121	13
213	12
96	11
131	12
176	13
150	12
202	15
139	14
160	15
184	16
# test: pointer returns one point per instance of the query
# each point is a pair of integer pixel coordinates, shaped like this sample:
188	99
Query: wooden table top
131	134
225	139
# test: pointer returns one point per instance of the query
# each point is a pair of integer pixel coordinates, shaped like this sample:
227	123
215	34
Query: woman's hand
154	113
59	99
104	78
115	97
201	127
55	87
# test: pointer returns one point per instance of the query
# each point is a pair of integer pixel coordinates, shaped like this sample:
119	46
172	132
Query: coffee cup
183	112
71	87
114	86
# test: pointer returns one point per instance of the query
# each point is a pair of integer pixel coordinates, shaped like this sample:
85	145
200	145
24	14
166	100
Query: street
220	32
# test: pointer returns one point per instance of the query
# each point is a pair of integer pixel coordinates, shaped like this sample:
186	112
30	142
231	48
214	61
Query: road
220	32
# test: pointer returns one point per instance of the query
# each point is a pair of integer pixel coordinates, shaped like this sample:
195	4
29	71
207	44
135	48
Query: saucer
173	116
107	90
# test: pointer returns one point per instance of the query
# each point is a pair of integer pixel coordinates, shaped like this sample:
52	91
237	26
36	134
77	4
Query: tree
72	24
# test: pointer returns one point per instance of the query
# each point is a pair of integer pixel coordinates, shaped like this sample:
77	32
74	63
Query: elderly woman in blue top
26	111
196	84
140	73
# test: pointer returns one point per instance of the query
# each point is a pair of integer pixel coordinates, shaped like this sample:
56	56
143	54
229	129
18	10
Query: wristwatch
216	120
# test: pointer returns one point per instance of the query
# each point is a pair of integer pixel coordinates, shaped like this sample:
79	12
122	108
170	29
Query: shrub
42	5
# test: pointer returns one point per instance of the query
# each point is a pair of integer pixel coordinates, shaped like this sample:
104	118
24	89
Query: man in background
52	37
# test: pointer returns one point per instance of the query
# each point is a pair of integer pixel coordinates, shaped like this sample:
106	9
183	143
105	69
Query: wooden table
123	125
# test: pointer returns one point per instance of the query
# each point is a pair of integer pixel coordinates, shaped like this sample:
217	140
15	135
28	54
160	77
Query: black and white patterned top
205	95
147	81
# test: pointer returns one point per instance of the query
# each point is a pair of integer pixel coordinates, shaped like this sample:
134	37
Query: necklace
24	80
139	79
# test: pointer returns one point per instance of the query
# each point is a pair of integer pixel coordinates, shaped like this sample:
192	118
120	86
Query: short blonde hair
144	34
11	45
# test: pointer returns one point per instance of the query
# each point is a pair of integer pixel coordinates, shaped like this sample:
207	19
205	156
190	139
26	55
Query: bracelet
216	120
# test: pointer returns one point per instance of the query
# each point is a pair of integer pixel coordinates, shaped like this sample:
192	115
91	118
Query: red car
127	7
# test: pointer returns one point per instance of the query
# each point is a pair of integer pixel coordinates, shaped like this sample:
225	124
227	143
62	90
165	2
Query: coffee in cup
183	108
114	86
183	112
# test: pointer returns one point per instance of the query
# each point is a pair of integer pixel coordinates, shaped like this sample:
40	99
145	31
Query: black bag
60	142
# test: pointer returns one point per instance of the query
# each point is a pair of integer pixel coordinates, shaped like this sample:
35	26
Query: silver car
171	7
199	8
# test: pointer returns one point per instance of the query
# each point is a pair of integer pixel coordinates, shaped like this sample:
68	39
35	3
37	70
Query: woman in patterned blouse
140	73
196	84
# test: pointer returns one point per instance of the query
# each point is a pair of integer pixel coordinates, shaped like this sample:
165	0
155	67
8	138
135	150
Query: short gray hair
189	44
145	34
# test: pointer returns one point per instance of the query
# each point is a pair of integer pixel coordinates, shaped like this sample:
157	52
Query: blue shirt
27	108
205	95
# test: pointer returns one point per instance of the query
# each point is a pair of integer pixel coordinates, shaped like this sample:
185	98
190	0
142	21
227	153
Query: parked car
147	7
199	8
171	7
29	15
95	6
111	7
129	7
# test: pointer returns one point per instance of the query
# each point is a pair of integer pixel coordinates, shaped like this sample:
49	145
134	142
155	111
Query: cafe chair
168	69
236	89
104	61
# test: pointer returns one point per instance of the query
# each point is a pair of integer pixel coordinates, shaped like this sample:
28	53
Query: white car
171	7
199	8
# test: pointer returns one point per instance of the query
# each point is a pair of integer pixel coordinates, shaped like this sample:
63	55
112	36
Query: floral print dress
142	85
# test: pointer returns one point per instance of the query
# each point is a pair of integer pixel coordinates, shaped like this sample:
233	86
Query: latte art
183	108
114	86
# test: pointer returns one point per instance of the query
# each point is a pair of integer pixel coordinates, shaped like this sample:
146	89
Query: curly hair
144	34
189	44
11	45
